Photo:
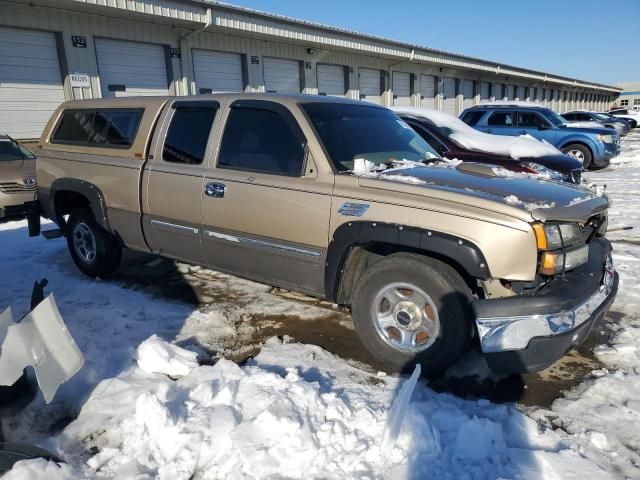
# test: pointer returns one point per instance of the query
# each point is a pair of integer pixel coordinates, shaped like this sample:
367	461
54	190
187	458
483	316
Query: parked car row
348	202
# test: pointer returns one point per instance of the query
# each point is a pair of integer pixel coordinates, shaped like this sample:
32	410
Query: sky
594	40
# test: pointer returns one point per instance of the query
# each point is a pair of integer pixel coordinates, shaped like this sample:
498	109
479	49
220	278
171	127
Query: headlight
552	236
553	263
606	138
543	171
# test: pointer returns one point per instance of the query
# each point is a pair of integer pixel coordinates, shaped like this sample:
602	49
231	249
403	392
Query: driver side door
531	123
266	207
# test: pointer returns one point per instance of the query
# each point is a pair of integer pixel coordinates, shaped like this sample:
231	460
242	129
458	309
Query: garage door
485	91
331	80
511	92
401	88
217	71
520	93
370	85
449	95
30	81
281	75
131	68
428	91
498	93
467	92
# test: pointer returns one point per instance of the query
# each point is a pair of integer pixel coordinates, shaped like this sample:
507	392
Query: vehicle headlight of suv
607	138
543	171
557	245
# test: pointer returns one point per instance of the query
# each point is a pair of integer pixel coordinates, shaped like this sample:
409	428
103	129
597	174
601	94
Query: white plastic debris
399	410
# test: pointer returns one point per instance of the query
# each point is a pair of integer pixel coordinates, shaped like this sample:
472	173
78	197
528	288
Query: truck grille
14	187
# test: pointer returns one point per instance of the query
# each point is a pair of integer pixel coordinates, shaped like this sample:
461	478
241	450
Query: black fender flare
350	234
87	190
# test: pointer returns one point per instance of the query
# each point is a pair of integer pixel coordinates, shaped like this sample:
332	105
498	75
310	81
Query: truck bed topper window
103	127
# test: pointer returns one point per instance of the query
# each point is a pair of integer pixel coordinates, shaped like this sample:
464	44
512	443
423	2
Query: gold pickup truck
341	200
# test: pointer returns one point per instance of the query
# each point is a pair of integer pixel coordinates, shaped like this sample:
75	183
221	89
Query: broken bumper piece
40	340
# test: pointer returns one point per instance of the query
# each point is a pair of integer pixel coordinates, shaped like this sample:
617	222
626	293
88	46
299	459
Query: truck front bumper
528	333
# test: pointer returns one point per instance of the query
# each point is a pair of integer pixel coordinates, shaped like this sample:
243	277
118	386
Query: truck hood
17	169
467	182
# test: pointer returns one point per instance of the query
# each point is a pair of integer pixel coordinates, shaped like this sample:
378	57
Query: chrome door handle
215	190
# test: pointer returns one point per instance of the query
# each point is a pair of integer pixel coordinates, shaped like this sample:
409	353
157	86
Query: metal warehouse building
76	49
630	95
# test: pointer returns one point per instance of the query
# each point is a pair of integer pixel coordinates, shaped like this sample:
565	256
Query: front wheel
579	152
96	252
410	309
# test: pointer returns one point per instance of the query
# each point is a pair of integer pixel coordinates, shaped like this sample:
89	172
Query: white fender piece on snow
40	340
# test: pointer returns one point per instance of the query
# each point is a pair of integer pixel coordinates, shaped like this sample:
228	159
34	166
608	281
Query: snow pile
296	411
362	166
524	146
157	356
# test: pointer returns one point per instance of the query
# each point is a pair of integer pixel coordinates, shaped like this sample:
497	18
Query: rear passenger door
172	187
501	122
266	206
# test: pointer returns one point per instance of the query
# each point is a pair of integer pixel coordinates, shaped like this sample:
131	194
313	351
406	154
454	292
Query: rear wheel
579	152
96	252
410	309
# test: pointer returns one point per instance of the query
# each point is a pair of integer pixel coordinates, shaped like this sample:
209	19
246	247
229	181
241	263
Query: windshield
10	150
600	116
554	118
351	132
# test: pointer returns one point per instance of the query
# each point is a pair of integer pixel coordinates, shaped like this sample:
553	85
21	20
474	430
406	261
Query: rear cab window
104	127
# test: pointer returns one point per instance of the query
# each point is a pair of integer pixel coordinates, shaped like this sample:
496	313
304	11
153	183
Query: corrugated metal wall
255	38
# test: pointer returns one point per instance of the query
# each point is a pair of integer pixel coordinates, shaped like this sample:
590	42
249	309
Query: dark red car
454	139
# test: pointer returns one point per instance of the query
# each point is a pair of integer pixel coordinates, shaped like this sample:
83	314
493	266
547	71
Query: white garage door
485	91
428	91
511	92
520	93
449	95
30	81
281	75
467	92
131	68
331	80
401	88
217	71
498	93
370	85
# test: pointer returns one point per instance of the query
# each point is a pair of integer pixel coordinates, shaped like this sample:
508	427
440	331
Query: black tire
449	294
588	157
107	250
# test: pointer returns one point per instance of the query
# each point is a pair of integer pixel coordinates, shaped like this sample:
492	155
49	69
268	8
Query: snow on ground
143	408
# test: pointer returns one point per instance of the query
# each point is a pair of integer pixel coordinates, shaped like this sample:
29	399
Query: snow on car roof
509	103
524	146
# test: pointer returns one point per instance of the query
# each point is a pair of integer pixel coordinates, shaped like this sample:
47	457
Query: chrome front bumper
508	333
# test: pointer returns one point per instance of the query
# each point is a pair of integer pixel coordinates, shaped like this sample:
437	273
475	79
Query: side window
531	120
108	128
260	141
569	116
472	117
188	134
501	119
427	136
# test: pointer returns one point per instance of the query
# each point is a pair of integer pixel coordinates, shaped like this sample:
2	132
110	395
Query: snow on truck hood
542	199
524	146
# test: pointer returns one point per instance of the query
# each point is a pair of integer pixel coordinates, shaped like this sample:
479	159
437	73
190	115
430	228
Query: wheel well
360	257
65	201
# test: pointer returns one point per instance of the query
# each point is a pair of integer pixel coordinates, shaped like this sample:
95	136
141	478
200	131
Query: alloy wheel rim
405	317
84	242
577	154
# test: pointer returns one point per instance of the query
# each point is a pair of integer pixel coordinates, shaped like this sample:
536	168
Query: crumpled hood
543	200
